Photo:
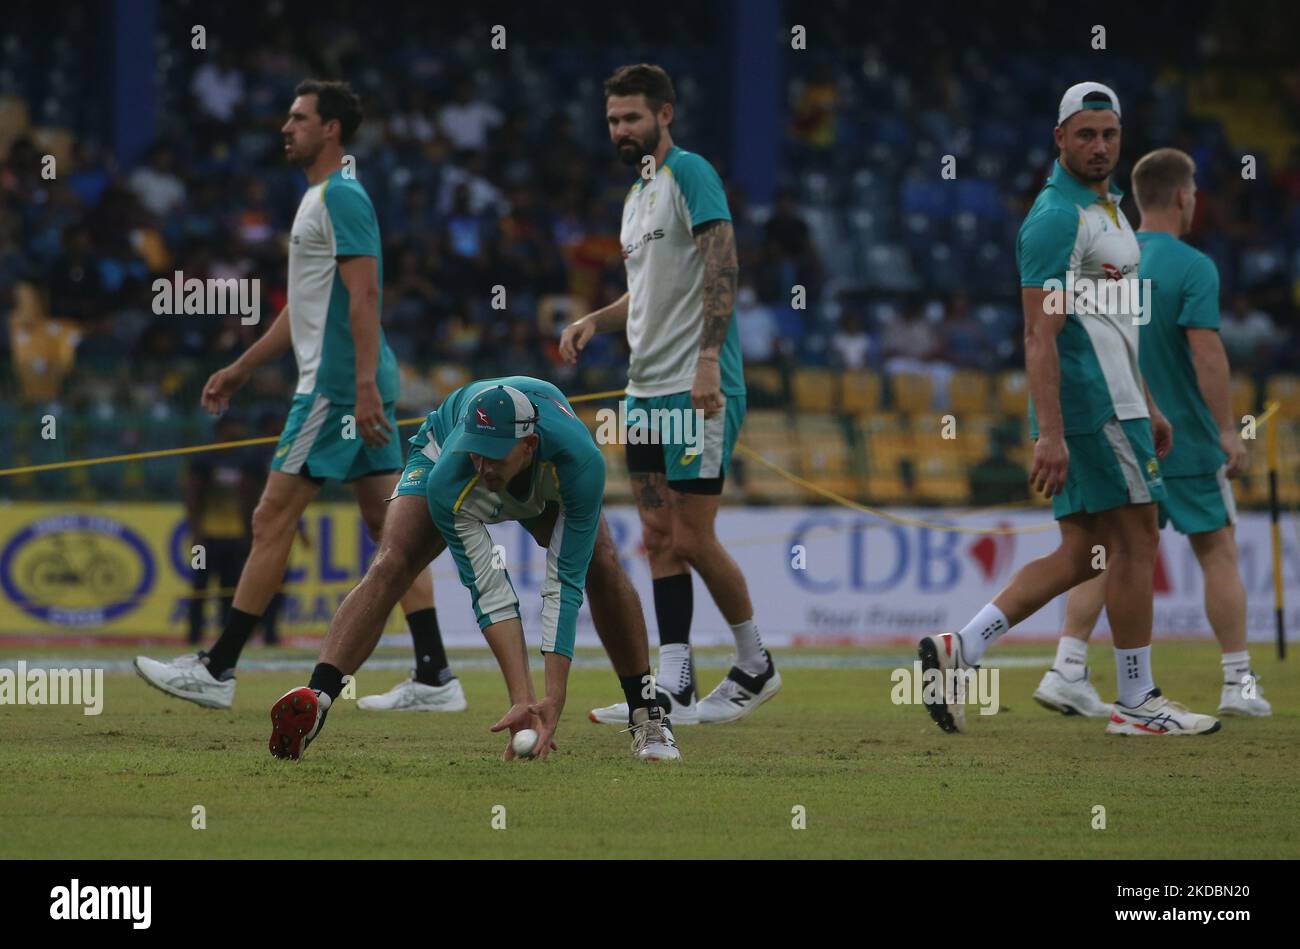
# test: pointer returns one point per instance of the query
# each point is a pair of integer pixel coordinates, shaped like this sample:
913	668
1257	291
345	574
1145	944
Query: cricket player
342	424
680	253
1184	363
498	450
1097	432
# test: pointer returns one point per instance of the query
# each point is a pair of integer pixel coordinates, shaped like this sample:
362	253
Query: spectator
156	184
467	120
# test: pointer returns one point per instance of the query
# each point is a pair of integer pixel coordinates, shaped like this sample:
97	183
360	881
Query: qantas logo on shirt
1117	273
629	249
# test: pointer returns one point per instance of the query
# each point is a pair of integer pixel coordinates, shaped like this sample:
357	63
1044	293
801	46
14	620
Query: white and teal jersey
1073	229
568	471
665	277
335	219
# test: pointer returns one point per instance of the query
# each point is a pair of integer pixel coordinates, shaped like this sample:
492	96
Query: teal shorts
1110	468
665	433
313	443
426	446
1199	504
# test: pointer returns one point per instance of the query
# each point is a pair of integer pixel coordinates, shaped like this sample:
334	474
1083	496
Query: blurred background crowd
491	167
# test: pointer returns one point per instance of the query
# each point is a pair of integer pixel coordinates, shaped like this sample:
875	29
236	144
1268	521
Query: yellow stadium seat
1242	393
765	380
968	392
765	420
1013	393
912	392
761	483
1285	391
618	487
859	391
814	390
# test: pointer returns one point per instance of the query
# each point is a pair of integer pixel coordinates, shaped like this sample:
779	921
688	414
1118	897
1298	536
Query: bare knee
271	521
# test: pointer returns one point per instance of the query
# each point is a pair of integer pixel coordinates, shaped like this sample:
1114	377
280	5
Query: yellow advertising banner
129	569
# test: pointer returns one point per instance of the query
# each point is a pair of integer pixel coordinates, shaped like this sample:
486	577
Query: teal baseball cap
497	419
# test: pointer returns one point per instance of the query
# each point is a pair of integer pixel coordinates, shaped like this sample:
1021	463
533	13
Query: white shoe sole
617	715
200	700
1132	728
1240	712
1056	703
770	689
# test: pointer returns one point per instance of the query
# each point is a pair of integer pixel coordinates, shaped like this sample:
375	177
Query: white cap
1072	101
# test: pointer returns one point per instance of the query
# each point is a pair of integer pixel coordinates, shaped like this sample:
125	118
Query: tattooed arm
716	242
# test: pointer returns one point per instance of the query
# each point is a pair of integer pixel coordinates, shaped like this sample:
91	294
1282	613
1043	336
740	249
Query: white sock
1071	658
981	633
749	648
1133	672
675	668
1235	665
325	700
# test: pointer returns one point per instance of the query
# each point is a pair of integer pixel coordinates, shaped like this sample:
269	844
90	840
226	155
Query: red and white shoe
1158	716
296	719
947	706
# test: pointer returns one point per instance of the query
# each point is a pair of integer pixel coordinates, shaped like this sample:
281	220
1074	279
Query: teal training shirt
1185	295
568	470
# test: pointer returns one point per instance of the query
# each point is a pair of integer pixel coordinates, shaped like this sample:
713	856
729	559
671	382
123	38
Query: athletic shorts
663	435
426	446
1198	504
1110	468
312	443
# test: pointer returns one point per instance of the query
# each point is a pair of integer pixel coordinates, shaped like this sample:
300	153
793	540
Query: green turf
876	780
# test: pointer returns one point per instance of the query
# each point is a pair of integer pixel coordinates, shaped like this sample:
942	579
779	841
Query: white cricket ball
524	742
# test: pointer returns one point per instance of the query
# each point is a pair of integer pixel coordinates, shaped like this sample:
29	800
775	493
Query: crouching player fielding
497	450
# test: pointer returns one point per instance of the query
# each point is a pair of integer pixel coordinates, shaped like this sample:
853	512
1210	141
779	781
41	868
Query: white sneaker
652	736
1157	715
739	694
682	710
1234	700
412	696
187	678
943	652
1070	696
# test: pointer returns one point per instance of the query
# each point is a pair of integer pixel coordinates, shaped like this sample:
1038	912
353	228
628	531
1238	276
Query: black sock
430	658
225	652
633	689
326	678
674	604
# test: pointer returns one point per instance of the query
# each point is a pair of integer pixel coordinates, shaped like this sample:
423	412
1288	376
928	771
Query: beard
636	150
302	158
1091	172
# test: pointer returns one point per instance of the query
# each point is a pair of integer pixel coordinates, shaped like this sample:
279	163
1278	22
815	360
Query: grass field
876	780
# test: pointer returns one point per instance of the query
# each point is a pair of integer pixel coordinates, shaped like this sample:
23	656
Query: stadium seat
766	383
762	484
1285	390
618	486
1013	393
814	390
826	455
968	392
1243	395
911	392
859	391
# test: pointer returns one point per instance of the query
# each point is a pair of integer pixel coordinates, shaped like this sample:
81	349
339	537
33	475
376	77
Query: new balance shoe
682	709
739	694
296	719
188	678
946	705
1157	715
412	696
652	736
1244	698
1070	696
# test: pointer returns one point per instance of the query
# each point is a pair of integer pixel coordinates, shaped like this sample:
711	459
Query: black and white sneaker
739	694
652	736
683	709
